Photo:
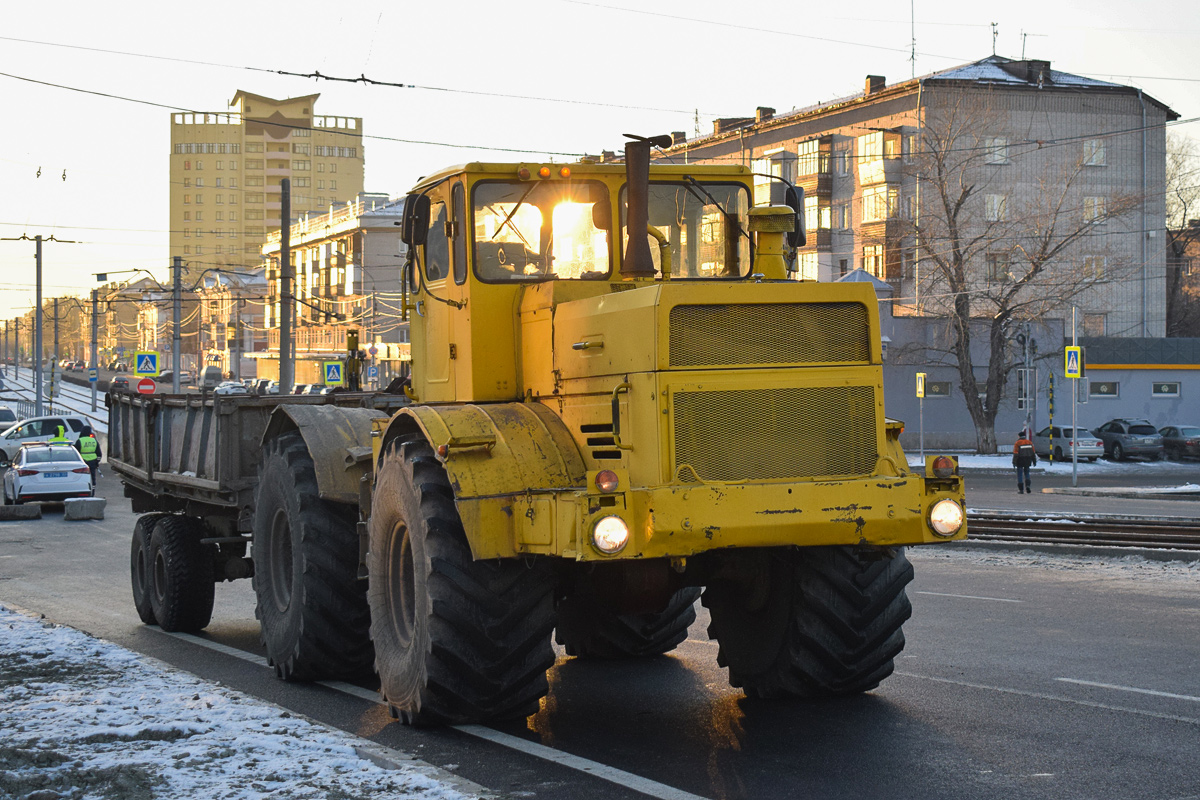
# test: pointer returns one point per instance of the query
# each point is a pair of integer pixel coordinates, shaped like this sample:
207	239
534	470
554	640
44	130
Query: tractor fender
496	449
337	438
508	463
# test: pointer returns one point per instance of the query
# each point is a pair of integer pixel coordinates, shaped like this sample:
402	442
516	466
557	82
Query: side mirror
416	220
793	197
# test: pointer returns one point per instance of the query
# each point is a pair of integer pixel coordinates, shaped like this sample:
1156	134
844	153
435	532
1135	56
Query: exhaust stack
638	263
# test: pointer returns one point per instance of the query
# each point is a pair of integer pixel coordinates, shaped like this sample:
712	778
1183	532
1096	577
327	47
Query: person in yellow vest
89	448
60	437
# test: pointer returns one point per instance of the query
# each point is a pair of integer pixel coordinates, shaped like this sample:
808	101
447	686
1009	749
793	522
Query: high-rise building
226	169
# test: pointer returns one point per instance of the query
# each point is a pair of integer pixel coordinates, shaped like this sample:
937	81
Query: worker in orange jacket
1024	457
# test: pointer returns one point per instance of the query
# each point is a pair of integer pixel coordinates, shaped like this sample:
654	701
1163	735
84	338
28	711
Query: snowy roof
998	69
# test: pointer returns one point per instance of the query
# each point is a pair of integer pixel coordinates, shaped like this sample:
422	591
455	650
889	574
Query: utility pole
176	341
37	334
287	305
95	363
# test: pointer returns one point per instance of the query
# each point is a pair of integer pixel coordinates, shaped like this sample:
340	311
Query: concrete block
21	512
84	508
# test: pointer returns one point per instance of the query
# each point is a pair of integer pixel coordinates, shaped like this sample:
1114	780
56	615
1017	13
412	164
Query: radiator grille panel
769	333
771	434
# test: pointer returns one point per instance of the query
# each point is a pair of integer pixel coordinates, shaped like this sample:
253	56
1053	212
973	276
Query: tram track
1099	530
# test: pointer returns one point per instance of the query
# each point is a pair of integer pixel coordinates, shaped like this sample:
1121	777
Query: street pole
176	343
55	369
17	350
37	334
287	305
95	337
1074	403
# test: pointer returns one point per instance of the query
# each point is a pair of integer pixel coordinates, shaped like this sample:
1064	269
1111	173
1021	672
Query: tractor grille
769	333
773	434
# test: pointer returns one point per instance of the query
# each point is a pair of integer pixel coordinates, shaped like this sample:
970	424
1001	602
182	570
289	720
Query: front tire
182	585
589	629
1058	454
310	601
829	622
456	640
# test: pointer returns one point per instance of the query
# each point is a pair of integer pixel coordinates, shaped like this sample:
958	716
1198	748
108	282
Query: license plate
55	474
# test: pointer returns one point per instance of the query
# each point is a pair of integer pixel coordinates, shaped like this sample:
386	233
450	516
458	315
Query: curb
1131	492
1148	553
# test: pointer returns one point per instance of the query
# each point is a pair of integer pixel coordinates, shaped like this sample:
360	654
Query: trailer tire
829	623
140	569
311	604
589	629
456	640
181	583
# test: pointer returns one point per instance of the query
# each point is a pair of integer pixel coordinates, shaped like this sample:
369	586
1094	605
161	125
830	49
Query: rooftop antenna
912	16
995	33
1025	35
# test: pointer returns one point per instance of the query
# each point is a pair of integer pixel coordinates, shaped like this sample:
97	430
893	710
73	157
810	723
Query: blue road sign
333	373
145	364
1072	368
373	371
374	351
93	374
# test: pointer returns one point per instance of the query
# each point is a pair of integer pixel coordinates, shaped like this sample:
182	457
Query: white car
47	472
38	429
230	387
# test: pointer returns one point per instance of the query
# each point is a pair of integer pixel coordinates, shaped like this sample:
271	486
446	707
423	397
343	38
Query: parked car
272	387
38	429
1130	437
300	388
80	366
1181	441
212	377
45	472
120	383
118	366
260	385
1062	440
230	387
8	417
316	388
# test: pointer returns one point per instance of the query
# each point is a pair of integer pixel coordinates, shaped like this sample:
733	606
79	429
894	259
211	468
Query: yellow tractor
620	399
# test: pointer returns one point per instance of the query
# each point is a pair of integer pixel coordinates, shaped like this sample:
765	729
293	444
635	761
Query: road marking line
1057	698
620	777
1131	689
972	597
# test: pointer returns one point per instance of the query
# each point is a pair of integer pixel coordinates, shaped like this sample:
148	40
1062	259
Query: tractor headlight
610	535
946	517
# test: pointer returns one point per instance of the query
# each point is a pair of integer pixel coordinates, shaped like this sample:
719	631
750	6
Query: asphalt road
1025	676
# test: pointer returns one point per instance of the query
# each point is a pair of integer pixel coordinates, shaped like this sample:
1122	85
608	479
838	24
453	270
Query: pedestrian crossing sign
333	373
1074	363
145	364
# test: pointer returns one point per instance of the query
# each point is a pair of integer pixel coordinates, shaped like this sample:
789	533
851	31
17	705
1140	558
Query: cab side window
458	198
437	246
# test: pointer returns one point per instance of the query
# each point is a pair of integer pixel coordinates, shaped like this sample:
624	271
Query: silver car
1061	441
1131	437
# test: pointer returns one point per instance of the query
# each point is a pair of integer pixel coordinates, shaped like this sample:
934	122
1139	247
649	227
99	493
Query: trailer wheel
588	629
181	574
310	601
828	623
140	566
456	640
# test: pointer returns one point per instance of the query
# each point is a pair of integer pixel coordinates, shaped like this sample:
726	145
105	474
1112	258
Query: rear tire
1118	452
181	581
140	566
1058	454
310	601
829	623
456	640
589	629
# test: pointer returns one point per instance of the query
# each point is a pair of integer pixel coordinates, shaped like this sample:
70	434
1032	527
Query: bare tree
1004	236
1183	236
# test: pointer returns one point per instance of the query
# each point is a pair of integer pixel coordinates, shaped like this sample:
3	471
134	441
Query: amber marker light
443	450
564	172
610	535
606	481
946	517
523	173
544	172
944	466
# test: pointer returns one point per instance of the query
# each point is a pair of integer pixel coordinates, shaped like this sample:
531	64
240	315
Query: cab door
437	304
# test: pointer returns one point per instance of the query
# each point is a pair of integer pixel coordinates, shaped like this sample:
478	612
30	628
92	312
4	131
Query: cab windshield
704	224
541	230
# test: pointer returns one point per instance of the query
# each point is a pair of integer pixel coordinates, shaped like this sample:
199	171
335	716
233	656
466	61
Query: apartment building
226	169
1076	161
347	264
232	310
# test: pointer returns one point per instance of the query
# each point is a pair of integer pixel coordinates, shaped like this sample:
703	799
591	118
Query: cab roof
581	169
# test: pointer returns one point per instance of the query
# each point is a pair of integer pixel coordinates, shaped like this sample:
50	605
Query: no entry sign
146	386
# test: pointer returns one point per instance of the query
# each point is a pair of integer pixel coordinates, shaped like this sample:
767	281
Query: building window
320	184
320	167
843	266
187	165
187	198
908	264
254	197
233	199
996	150
1094	324
199	183
910	145
199	249
254	147
233	183
254	180
233	216
1093	153
333	167
187	232
199	165
220	164
199	199
1164	389
1093	210
220	216
187	249
187	183
937	389
1104	388
253	213
220	199
999	268
233	165
995	207
218	183
808	153
910	206
302	182
1095	268
199	216
807	267
333	184
254	163
841	216
187	215
880	203
872	259
302	165
302	149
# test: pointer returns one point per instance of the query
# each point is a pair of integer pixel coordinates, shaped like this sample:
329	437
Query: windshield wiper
713	201
508	220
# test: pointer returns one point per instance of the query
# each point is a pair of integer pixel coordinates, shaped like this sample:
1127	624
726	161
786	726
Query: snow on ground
1002	462
72	399
1147	572
84	718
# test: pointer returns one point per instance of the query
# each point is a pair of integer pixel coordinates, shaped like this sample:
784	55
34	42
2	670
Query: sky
84	155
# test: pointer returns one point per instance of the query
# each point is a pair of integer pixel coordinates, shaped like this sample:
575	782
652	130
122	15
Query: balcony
884	170
820	240
817	184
